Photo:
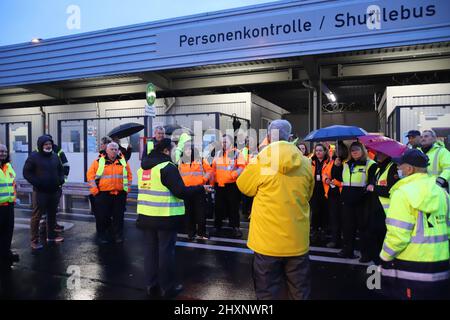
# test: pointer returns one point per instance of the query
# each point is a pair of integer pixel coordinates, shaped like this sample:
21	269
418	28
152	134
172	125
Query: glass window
3	134
18	145
72	143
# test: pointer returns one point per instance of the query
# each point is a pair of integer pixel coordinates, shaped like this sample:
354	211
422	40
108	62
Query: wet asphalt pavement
215	269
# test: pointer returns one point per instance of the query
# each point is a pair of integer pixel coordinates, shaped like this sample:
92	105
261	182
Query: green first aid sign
151	94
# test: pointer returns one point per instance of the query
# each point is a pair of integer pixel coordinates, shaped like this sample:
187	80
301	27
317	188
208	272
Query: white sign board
150	110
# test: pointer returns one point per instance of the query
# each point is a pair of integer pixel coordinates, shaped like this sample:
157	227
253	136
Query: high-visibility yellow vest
7	184
419	236
382	182
154	198
150	146
245	153
358	177
101	168
439	161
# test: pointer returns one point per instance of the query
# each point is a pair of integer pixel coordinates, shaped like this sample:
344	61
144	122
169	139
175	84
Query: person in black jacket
318	202
160	232
333	193
376	212
66	167
44	171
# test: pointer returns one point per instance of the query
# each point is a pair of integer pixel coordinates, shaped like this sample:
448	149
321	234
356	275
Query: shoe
57	239
237	233
173	292
203	237
332	244
59	228
36	245
364	259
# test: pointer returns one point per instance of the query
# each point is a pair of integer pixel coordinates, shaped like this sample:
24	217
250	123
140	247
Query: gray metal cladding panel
274	30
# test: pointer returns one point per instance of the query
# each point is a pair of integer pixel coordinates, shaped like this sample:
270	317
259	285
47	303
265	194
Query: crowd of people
398	208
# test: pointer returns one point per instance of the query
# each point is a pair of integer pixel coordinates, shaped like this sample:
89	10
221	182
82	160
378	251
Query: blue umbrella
335	132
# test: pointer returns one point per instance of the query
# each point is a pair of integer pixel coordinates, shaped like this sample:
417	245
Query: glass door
18	145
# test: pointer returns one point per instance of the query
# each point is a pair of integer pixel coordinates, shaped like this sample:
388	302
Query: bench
69	190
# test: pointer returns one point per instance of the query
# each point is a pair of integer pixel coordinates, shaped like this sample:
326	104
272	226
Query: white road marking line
219	239
248	251
225	248
67	225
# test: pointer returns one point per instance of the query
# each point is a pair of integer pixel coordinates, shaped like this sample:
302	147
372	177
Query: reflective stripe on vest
150	146
362	177
200	173
415	276
7	184
123	176
154	198
385	202
185	174
434	169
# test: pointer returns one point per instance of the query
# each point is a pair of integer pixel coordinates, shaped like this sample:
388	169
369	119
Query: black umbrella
171	128
125	130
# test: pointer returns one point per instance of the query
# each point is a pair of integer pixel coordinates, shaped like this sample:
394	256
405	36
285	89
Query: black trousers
195	216
355	218
209	206
44	203
109	212
335	215
319	210
227	204
6	233
277	278
159	258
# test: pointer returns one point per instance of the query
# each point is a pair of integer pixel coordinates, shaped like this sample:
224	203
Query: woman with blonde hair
357	173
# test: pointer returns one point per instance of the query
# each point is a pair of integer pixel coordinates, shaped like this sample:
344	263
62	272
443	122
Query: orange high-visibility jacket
226	169
112	178
326	173
326	163
194	173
